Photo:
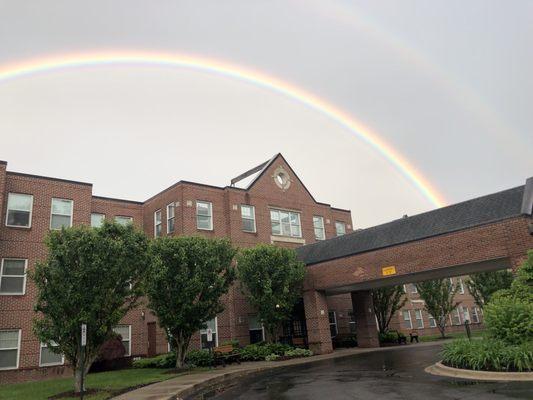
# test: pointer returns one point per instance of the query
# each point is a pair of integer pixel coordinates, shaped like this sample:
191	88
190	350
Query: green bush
488	355
259	351
509	319
297	352
199	358
388	337
160	361
272	357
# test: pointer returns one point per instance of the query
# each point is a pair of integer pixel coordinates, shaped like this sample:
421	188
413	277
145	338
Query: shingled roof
468	214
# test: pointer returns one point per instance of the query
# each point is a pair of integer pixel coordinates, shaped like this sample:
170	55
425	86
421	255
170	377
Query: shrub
153	362
272	357
259	351
488	355
199	358
509	319
344	340
388	337
194	358
298	353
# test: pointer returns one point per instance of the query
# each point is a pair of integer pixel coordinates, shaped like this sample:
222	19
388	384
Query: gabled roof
479	211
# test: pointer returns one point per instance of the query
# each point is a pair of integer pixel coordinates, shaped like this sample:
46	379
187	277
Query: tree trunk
181	345
77	378
78	372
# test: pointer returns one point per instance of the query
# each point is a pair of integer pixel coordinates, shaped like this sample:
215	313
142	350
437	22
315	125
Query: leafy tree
272	280
438	296
187	278
483	284
387	301
86	278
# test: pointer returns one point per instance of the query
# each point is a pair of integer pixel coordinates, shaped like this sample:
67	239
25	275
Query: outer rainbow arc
243	74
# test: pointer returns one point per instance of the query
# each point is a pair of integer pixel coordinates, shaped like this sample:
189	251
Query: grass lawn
451	335
110	382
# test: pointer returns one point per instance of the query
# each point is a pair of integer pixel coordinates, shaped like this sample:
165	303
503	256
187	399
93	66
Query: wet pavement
395	374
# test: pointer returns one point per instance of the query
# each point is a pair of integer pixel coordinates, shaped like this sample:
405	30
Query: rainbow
254	77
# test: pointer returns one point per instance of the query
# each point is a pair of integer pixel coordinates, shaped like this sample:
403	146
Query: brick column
317	321
367	331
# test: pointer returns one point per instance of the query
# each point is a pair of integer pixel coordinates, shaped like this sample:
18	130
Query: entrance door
152	347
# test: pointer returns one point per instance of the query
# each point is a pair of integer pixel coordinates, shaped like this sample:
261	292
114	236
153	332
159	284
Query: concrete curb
440	369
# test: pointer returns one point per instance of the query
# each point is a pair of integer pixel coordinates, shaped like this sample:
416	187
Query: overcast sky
448	84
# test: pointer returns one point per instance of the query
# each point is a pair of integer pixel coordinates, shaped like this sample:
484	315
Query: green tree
272	279
86	278
387	301
483	284
438	296
187	278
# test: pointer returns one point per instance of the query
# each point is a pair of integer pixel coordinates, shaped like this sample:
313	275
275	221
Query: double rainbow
240	73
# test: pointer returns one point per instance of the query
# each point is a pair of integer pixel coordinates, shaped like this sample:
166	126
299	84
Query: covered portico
484	234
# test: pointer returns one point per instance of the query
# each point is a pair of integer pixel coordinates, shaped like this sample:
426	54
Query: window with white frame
97	220
461	285
333	323
465	313
19	210
157	223
475	315
318	225
48	357
204	215
419	319
123	220
125	333
9	349
414	289
455	317
211	324
13	276
285	223
407	323
171	213
340	227
248	218
256	330
432	321
61	213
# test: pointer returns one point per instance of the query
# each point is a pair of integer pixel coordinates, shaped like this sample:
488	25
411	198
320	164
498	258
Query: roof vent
405	216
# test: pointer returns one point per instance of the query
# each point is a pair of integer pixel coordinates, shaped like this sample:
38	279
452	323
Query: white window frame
421	319
128	354
289	212
337	224
95	213
333	323
62	215
44	346
262	330
320	228
465	314
123	217
204	332
461	286
407	312
414	289
7	210
210	215
249	219
14	276
172	207
156	224
432	321
455	311
475	311
13	348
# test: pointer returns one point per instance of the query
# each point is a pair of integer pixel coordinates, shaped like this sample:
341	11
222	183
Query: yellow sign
388	270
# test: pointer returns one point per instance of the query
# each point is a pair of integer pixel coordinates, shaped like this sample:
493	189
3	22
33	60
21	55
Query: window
407	319
157	223
353	322
211	324
204	215
318	225
432	321
455	317
13	276
419	319
413	288
9	349
122	220
248	218
171	212
475	315
340	227
461	285
332	323
256	329
125	332
48	357
466	314
19	209
61	213
97	220
285	223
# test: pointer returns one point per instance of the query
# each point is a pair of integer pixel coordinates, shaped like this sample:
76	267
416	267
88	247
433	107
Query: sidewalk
186	385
